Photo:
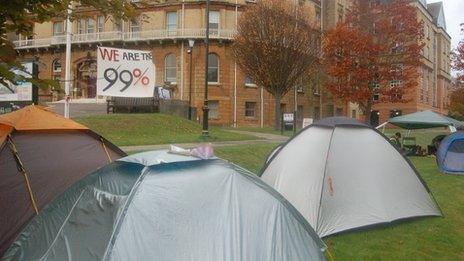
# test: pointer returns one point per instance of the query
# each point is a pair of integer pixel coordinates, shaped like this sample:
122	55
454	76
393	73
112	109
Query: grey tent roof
424	120
160	206
347	177
339	121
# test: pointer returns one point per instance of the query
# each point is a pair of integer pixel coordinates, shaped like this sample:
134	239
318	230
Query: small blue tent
450	155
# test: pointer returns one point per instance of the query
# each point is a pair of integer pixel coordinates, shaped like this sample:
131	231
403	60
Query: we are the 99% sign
125	73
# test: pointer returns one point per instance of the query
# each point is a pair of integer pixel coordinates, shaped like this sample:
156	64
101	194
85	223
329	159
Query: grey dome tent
450	154
341	175
161	206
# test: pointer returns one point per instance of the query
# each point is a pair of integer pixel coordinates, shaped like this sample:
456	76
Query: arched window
170	68
56	65
213	68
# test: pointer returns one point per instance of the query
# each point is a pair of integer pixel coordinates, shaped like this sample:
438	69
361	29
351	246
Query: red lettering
109	55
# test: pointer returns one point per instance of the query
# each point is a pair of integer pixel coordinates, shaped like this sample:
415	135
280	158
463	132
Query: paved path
79	109
265	138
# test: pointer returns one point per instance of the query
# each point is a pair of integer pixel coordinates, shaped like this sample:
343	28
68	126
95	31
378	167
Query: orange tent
41	155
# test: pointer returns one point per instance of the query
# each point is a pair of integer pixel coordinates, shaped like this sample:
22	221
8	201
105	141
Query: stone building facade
165	28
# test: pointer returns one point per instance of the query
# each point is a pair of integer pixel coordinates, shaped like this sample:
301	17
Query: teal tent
424	120
161	206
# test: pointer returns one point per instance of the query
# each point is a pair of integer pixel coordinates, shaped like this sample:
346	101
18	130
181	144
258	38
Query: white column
67	75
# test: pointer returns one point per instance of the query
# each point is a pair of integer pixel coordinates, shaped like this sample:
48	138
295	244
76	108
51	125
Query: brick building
166	28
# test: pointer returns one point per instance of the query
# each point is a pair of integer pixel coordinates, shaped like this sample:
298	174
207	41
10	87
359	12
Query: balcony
117	36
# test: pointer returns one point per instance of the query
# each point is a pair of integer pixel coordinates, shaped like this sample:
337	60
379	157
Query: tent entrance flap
23	171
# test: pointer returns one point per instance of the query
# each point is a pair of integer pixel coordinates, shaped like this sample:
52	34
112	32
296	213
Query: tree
276	45
19	17
374	55
456	107
458	59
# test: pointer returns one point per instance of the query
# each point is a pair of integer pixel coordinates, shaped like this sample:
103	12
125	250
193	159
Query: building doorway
86	80
375	118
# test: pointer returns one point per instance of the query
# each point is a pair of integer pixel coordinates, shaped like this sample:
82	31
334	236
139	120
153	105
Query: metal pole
295	108
67	75
190	84
205	131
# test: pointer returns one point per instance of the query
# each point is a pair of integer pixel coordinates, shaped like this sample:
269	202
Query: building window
213	68
375	90
340	12
395	83
249	82
213	107
117	25
171	22
339	112
90	26
330	110
58	28
80	26
56	65
214	22
134	29
397	48
100	23
170	68
250	109
318	14
353	114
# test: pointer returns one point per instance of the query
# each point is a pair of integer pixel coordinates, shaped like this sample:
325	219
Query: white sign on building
125	73
22	90
307	122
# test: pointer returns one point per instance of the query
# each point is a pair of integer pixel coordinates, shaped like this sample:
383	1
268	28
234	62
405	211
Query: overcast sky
454	14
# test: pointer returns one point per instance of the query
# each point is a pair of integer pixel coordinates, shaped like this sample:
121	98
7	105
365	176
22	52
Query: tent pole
21	168
106	151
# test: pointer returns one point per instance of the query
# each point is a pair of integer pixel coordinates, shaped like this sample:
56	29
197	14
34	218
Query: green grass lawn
154	128
432	238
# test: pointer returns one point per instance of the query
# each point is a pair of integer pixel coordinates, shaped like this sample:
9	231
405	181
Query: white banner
288	117
307	122
22	90
125	73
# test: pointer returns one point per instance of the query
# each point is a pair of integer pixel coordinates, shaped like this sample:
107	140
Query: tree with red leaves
456	108
375	52
458	59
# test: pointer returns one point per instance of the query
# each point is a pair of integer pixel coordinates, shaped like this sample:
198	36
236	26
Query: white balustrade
146	35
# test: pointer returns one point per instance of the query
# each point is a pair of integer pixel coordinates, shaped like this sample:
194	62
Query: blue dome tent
450	155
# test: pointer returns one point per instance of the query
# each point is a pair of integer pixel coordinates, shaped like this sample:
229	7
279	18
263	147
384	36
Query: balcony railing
126	36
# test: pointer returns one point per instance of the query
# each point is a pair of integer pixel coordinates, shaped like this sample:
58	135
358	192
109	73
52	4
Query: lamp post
190	50
67	75
205	131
